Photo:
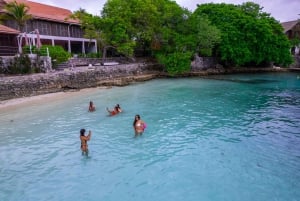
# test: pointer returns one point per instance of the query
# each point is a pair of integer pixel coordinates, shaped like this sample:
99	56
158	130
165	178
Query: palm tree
17	12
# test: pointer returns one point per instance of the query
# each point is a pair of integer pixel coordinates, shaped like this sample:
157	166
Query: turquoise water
232	138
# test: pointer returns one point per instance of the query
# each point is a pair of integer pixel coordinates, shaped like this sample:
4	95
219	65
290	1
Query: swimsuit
139	128
83	144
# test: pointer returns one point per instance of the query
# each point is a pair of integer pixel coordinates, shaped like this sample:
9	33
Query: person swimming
117	109
84	139
138	125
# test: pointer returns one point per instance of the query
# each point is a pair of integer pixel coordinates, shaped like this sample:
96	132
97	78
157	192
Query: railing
8	50
12	51
33	50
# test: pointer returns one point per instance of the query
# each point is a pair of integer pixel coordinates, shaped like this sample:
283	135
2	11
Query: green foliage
31	50
17	12
176	63
241	35
21	65
142	24
248	35
295	42
205	52
57	53
148	25
95	27
174	40
206	36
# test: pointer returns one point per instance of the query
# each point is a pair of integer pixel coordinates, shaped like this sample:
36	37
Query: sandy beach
27	101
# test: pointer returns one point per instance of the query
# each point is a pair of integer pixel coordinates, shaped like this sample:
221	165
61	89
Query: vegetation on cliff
240	35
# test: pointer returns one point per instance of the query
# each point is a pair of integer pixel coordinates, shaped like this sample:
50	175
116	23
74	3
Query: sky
281	10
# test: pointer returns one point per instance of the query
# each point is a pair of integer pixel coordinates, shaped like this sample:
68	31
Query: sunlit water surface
232	138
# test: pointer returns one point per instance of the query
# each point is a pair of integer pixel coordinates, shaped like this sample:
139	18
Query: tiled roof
47	12
7	30
289	25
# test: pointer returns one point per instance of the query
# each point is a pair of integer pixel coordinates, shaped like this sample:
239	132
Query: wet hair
135	120
117	107
82	131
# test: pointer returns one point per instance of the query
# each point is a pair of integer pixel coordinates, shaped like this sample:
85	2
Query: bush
20	65
176	63
57	53
205	52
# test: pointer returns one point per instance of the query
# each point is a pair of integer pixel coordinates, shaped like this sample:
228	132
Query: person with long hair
138	125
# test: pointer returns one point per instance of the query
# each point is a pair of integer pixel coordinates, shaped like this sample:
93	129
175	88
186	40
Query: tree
17	12
91	26
248	35
129	23
206	36
159	27
173	43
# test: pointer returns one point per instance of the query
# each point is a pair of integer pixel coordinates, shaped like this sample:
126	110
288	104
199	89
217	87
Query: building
8	45
49	25
292	31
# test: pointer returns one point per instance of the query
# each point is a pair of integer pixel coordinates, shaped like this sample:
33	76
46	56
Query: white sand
26	101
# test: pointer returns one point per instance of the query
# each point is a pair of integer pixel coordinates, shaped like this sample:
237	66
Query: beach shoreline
16	102
26	101
19	86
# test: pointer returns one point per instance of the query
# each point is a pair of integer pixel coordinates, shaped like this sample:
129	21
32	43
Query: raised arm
88	137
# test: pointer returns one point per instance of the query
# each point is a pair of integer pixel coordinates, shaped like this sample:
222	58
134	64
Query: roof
289	25
47	12
7	30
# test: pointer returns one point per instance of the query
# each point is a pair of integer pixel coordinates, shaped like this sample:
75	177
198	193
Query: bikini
139	128
83	143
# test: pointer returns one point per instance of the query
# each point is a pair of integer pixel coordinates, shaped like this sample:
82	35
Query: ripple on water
204	140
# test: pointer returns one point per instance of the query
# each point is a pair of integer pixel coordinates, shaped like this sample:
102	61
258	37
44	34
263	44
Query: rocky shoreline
78	78
12	87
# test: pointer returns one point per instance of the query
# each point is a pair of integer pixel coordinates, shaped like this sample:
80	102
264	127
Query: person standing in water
92	107
138	125
84	139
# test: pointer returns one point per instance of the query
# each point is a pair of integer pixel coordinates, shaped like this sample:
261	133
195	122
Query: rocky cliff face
75	79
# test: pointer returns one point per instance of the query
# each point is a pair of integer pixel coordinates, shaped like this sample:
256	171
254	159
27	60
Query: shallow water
234	137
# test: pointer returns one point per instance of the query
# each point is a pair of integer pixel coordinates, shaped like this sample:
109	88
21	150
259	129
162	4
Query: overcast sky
281	10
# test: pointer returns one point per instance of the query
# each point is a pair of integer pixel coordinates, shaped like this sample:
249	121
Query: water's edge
12	87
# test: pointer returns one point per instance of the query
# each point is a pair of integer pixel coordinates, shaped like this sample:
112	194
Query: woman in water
138	125
117	109
84	139
92	107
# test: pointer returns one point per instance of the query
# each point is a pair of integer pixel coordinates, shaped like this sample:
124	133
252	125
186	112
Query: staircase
63	66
